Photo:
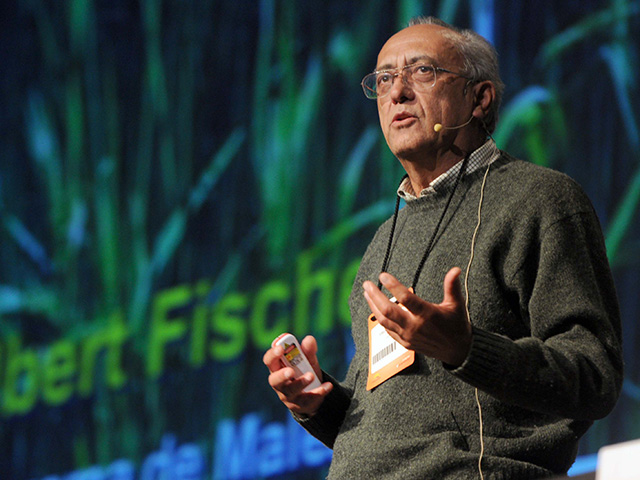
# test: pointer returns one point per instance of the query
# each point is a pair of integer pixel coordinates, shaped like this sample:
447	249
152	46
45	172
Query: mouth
402	118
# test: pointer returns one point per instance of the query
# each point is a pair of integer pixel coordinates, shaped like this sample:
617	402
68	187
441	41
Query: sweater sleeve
571	364
326	423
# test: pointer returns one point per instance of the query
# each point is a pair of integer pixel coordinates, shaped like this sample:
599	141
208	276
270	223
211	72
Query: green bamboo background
159	143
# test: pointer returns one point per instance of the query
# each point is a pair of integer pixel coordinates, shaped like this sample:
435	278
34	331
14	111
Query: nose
400	90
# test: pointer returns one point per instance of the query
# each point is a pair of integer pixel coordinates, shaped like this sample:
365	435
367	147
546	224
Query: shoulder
531	189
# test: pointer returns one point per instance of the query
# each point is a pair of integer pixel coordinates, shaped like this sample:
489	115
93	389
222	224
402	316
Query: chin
410	150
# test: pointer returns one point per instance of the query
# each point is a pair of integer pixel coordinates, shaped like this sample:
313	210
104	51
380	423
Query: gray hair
479	57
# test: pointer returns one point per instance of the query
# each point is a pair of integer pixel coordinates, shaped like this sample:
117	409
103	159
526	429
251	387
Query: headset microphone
438	126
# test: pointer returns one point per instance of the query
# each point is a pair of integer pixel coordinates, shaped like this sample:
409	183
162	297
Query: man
503	376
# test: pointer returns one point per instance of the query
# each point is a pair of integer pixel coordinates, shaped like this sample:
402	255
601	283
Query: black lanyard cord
385	262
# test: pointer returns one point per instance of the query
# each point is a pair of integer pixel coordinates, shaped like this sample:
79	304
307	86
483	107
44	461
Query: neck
422	173
424	167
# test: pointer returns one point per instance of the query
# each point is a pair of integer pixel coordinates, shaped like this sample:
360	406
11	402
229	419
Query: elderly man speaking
484	314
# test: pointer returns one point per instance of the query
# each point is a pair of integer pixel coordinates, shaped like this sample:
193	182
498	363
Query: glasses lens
369	86
422	76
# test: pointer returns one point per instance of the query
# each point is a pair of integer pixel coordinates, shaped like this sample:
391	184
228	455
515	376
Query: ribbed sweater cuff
488	356
326	422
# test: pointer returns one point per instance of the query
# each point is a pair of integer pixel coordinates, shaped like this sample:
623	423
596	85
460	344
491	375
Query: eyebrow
412	60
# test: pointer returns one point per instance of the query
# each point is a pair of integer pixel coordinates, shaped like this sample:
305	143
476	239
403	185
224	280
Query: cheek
383	117
431	107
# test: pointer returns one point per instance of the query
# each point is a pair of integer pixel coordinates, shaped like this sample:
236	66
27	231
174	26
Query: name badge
386	356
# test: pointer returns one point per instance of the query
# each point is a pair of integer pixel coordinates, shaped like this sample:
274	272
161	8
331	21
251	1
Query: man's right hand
288	388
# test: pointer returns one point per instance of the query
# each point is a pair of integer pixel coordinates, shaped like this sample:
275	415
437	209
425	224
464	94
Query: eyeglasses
419	76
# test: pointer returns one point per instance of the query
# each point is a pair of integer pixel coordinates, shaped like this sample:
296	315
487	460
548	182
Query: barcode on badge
383	353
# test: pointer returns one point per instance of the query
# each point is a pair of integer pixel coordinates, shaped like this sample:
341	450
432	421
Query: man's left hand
440	331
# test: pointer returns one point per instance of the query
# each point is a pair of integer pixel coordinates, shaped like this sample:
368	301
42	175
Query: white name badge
384	349
386	356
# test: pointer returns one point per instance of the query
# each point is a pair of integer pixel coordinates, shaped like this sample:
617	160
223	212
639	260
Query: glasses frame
373	94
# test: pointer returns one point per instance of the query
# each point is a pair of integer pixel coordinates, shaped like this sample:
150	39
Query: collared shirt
481	157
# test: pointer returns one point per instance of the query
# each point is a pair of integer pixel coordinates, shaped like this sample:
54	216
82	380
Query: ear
484	96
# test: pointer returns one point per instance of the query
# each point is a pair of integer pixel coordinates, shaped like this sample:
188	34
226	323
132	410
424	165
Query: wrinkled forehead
419	43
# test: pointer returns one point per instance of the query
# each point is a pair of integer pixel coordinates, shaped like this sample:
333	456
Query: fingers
392	284
382	307
272	358
310	348
452	288
284	381
290	391
368	293
282	377
405	296
289	388
384	310
453	296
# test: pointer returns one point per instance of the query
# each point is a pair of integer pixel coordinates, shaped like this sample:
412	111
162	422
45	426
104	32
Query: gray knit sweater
546	353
